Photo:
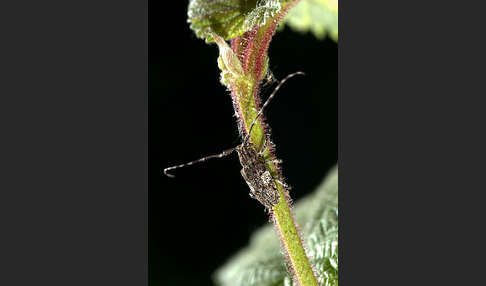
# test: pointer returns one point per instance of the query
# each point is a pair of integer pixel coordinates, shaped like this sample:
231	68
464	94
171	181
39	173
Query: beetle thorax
246	153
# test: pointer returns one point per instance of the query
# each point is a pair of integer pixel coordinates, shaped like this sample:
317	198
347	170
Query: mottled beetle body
262	185
257	176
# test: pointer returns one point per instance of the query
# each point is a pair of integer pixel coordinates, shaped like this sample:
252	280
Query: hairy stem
251	49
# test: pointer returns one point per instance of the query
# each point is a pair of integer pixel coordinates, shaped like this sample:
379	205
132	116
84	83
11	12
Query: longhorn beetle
255	172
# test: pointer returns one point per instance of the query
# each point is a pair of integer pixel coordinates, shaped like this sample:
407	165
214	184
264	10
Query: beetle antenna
270	98
224	153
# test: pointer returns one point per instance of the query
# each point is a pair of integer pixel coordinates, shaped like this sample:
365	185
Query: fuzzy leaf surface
230	18
320	17
262	263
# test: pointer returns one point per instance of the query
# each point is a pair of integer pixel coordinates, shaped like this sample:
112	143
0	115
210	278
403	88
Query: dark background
201	217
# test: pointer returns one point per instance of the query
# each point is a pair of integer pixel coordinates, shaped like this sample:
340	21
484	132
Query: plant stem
291	240
251	48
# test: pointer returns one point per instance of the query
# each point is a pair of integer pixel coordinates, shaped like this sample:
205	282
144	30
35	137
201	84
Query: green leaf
317	16
265	11
230	18
228	62
262	263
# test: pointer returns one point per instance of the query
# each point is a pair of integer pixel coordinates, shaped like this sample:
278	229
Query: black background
201	217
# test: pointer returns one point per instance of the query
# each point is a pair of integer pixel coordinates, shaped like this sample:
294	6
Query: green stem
290	238
251	49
